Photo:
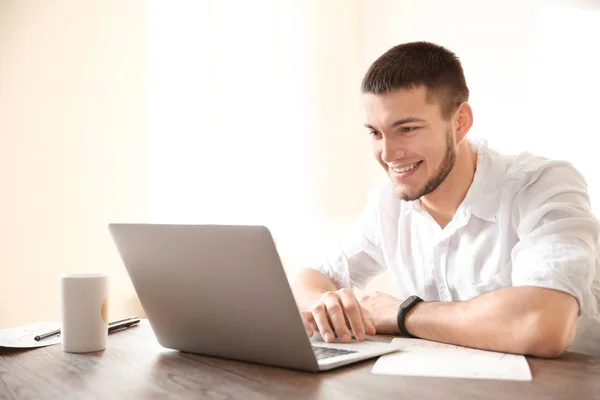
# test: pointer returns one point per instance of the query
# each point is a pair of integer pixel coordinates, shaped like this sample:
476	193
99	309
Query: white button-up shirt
525	221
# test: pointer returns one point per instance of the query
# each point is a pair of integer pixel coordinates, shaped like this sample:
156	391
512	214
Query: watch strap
404	308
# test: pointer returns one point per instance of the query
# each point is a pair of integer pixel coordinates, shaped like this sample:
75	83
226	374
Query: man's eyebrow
400	122
406	121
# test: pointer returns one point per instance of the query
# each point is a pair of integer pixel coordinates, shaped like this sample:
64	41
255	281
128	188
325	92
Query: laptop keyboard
327	352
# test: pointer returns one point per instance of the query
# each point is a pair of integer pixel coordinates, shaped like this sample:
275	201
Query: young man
489	251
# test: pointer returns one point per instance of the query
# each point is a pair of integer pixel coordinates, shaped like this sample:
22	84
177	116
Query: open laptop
221	291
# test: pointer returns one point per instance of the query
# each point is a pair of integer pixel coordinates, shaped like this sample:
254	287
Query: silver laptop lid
218	290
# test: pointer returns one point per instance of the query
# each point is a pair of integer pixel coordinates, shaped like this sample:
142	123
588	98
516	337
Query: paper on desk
426	358
23	336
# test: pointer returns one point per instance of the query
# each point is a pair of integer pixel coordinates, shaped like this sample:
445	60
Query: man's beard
441	175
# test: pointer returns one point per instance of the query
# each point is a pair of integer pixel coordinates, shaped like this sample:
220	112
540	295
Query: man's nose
392	150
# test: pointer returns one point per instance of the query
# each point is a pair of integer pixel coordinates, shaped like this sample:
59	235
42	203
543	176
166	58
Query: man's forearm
309	286
530	321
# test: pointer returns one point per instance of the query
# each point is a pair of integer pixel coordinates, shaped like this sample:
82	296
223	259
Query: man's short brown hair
415	64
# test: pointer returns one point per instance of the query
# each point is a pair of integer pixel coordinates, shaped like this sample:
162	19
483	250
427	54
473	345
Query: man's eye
408	129
374	133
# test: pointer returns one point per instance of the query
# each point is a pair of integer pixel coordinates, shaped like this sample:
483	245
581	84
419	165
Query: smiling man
492	251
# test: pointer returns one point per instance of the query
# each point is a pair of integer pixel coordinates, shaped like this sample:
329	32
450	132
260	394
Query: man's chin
406	195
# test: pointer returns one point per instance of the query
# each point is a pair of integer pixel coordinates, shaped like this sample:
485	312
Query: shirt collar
482	199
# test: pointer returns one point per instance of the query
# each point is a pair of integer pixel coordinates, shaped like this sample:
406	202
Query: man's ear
463	120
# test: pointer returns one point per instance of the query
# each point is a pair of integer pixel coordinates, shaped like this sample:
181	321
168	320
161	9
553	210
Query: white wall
260	122
72	147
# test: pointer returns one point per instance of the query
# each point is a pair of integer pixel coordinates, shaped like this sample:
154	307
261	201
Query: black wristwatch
404	308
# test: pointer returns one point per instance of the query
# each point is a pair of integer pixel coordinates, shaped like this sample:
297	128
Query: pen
112	326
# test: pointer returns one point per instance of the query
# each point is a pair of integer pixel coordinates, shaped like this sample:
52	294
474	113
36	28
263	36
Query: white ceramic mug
84	301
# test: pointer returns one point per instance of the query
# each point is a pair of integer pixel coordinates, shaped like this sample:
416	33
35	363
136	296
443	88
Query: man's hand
338	313
384	310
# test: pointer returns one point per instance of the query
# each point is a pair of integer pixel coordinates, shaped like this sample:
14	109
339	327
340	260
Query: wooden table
135	366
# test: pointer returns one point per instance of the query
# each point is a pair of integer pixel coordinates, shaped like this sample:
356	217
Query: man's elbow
550	336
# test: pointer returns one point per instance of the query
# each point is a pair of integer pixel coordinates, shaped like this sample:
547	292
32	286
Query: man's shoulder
527	168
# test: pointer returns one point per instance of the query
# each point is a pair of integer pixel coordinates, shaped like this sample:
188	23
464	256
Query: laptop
221	291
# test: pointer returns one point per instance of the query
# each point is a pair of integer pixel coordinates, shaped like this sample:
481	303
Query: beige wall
72	147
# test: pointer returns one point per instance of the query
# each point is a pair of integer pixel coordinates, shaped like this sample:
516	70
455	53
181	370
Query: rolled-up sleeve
558	234
357	258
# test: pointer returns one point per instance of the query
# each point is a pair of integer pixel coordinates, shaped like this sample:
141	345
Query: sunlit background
244	112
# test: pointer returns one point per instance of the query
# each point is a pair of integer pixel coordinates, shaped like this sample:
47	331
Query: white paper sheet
23	336
426	358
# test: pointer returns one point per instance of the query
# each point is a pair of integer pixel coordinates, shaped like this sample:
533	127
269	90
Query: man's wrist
406	307
411	320
391	323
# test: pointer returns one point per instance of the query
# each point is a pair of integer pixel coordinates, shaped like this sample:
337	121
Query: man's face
411	141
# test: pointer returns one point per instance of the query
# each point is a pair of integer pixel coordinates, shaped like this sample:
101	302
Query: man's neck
445	200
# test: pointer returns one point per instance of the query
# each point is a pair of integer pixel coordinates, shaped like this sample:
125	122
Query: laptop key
327	352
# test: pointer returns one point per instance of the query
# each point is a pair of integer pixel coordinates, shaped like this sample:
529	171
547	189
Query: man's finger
336	313
319	313
353	312
308	321
314	327
369	322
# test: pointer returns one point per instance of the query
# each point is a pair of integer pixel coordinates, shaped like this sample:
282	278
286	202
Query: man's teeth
402	170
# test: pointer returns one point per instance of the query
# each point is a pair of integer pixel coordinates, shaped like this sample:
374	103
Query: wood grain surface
135	366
